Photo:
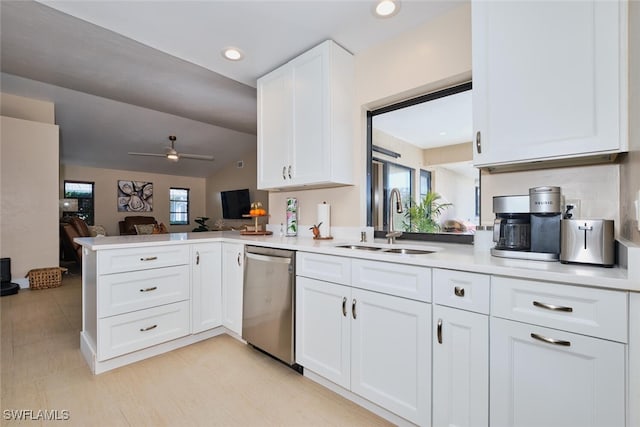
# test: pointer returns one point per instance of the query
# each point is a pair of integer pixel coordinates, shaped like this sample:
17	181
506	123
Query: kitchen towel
324	219
292	216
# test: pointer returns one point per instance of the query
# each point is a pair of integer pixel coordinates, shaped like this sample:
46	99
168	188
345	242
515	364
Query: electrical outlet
576	207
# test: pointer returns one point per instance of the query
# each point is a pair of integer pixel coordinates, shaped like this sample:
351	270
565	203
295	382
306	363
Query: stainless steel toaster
587	241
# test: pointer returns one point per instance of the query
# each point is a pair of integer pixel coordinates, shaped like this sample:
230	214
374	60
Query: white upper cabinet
305	111
549	80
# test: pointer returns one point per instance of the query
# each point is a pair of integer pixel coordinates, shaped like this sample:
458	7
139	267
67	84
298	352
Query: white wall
432	56
29	232
630	167
106	208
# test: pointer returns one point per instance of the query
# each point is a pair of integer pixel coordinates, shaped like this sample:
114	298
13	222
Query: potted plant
423	217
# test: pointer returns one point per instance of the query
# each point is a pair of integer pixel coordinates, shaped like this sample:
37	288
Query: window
81	191
179	206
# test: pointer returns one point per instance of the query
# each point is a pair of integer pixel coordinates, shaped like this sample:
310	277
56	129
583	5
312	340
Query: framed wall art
135	196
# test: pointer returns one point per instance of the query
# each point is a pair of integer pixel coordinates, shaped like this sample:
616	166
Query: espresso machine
528	226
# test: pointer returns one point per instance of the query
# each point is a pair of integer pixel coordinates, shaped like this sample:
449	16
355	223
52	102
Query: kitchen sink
363	248
407	251
390	249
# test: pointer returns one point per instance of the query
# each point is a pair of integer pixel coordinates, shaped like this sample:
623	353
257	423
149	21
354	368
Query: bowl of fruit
257	209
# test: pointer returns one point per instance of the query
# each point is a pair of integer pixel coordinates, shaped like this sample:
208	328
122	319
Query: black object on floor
8	288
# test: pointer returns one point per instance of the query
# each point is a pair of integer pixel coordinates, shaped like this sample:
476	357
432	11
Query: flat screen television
235	203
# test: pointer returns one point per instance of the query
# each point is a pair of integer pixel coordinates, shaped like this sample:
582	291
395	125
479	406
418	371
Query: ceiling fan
172	155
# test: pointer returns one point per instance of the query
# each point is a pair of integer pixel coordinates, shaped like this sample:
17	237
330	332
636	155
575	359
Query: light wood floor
217	382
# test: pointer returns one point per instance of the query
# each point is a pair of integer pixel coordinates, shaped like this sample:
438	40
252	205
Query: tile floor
217	382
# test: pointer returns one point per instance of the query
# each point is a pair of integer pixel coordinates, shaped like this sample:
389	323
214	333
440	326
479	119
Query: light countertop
446	255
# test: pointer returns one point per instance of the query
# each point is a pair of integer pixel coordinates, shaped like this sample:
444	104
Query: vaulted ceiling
125	75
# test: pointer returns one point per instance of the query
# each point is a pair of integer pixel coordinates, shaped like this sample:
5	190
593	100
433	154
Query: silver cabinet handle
439	331
353	308
149	289
197	258
149	258
478	142
289	171
148	328
284	172
552	307
550	340
344	306
458	291
238	259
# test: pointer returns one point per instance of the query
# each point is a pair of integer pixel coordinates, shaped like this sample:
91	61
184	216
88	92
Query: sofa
128	224
71	228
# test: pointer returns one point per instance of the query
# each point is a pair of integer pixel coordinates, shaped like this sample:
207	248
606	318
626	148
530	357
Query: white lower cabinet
232	283
376	345
391	354
460	368
206	307
547	377
323	329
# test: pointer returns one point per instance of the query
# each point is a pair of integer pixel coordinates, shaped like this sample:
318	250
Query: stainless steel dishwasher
268	312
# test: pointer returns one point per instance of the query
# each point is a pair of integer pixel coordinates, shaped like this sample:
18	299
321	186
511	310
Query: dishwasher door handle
267	258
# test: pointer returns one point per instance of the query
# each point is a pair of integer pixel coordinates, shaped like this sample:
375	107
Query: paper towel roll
324	217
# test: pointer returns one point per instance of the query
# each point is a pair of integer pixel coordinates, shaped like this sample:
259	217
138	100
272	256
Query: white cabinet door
548	79
460	368
390	353
578	381
206	293
310	152
275	134
323	329
232	286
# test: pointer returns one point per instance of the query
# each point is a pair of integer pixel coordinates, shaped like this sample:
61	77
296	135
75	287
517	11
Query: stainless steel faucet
391	235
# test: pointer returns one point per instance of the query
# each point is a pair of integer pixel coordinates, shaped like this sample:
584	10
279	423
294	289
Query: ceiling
125	75
436	123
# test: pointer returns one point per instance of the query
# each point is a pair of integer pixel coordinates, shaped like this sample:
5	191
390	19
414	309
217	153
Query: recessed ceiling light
387	8
443	133
232	54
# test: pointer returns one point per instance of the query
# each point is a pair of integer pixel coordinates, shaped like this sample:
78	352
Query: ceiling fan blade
147	154
196	156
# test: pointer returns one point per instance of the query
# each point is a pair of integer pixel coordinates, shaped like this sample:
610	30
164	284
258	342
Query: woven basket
44	278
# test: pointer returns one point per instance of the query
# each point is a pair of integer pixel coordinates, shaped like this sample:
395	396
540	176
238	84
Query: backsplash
596	187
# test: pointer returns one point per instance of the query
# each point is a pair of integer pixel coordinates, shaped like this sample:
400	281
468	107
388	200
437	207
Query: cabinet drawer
459	289
129	332
129	259
324	267
136	290
596	312
401	280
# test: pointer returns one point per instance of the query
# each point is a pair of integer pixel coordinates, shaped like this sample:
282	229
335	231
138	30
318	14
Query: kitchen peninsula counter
446	255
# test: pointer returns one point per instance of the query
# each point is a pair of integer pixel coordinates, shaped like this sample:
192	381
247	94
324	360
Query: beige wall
234	178
20	107
106	181
595	186
28	194
449	154
432	56
630	167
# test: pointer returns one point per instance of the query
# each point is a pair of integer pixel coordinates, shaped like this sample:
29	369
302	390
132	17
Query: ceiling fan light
173	156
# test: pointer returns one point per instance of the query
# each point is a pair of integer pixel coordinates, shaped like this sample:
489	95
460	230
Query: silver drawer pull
553	307
353	308
149	289
150	258
458	291
344	306
551	340
148	328
439	331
